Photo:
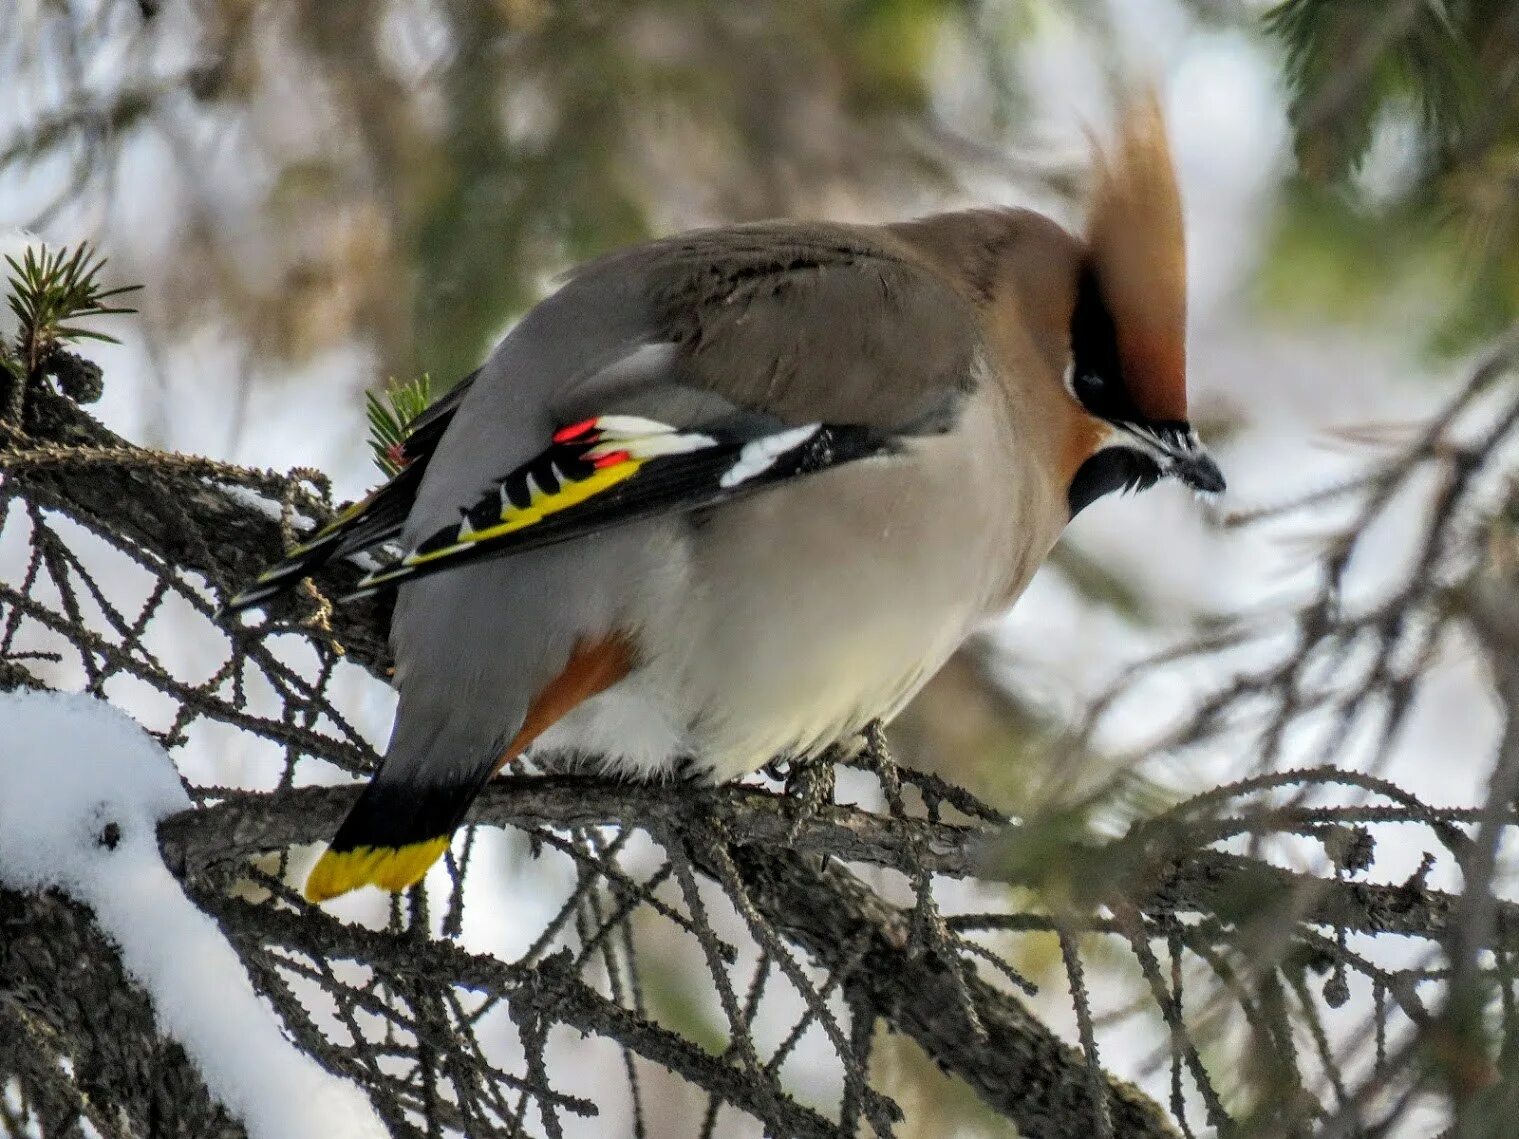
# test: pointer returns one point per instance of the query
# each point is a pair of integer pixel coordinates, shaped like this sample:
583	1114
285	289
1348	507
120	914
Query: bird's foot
810	785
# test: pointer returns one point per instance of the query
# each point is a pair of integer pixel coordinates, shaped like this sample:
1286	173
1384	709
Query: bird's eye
1088	385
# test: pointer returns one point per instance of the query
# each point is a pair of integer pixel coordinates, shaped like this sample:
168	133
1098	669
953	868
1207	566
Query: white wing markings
760	455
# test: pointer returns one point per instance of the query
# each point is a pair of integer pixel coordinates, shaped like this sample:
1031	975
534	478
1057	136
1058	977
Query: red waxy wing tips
574	430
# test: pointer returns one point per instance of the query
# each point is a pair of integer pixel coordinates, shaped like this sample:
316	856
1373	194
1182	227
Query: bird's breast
800	615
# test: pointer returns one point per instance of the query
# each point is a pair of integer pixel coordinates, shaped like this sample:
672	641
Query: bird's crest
1138	256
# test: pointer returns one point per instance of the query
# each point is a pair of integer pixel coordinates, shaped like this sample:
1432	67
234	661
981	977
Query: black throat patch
1110	469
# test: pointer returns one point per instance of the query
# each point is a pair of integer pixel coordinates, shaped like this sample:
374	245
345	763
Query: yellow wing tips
388	867
296	552
298	560
542	505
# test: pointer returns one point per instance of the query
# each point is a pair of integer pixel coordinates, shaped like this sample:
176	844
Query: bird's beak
1178	453
1196	468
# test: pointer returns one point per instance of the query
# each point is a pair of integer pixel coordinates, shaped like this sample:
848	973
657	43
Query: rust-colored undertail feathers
400	825
1138	254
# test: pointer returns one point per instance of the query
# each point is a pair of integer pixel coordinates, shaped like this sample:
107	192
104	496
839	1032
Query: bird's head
1128	364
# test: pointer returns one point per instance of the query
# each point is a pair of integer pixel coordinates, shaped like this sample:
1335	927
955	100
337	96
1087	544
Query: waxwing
733	495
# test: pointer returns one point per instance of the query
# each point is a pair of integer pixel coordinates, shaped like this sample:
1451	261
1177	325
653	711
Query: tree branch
1009	1057
192	523
65	995
1196	882
550	990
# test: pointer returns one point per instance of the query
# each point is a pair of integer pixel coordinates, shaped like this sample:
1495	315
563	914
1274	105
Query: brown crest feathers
1138	255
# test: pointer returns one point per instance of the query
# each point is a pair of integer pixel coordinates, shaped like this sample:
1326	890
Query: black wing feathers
617	469
376	518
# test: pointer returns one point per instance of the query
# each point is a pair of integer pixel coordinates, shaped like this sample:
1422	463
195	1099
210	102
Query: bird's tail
401	823
395	831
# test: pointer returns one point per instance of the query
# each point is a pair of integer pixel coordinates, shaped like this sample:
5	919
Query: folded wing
736	359
613	469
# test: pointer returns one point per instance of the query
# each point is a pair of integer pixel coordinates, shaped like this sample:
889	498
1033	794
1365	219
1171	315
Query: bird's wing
748	356
424	432
375	519
805	323
612	469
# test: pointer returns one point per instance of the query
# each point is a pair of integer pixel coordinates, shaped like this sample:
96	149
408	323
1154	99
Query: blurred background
319	196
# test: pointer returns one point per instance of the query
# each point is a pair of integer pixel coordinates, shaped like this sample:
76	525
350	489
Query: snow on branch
82	789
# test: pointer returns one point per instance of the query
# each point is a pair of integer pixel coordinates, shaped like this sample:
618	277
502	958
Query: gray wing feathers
509	413
807	322
475	645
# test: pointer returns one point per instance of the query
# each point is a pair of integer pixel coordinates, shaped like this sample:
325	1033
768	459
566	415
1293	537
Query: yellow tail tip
392	868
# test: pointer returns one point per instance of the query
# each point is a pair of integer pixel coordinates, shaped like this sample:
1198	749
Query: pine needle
391	415
50	289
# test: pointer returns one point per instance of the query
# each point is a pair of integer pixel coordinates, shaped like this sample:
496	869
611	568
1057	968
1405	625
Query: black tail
393	834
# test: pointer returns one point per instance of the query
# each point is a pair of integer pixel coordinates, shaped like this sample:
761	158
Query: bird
735	495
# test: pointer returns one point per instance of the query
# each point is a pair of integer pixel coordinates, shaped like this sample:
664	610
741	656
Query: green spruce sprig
48	291
391	416
51	289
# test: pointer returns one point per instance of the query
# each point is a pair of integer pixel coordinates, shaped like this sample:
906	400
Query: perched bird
734	495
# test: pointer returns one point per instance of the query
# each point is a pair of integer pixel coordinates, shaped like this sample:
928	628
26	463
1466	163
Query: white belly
798	616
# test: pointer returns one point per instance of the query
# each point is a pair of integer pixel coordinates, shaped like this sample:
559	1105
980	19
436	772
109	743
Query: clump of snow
82	788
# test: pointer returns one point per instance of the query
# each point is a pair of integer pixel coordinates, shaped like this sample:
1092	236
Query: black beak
1198	470
1173	449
